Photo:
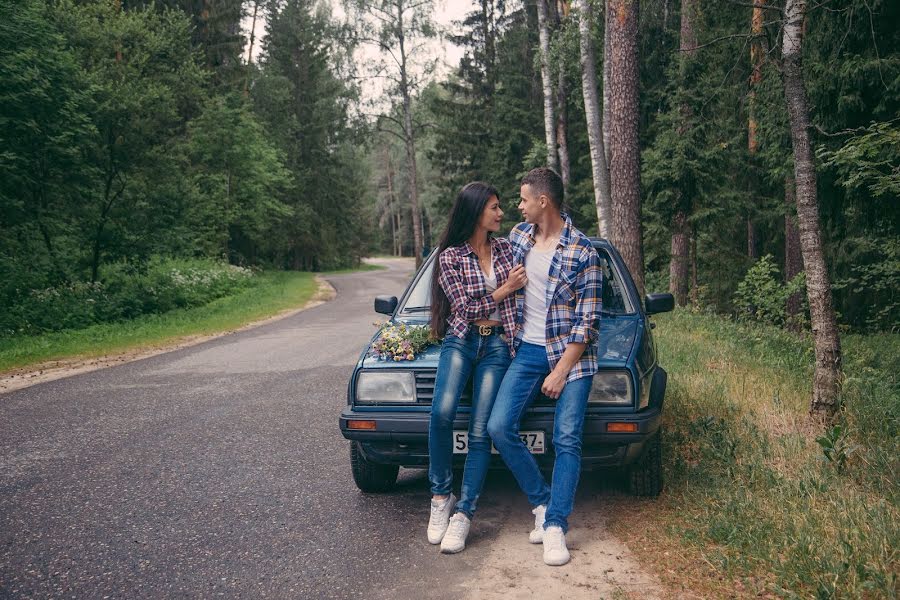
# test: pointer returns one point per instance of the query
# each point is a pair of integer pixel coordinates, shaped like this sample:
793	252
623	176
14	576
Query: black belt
486	330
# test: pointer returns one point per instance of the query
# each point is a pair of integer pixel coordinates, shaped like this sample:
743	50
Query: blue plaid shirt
573	295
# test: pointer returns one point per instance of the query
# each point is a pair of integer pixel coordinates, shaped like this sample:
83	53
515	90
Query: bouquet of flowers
399	341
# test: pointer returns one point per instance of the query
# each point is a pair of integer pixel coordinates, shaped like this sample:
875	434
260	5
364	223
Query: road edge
51	370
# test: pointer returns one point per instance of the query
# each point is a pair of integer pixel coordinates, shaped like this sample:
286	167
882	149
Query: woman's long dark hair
464	215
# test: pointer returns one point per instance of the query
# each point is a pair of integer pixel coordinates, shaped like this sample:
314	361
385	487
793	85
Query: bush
125	291
762	297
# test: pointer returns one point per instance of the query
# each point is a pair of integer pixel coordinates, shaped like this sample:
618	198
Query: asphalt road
219	471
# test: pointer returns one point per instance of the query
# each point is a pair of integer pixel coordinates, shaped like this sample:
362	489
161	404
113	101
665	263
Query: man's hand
554	384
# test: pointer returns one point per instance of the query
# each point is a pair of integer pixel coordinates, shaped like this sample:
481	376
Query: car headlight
399	386
611	387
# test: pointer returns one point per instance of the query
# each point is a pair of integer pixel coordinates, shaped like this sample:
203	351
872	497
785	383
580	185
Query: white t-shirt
537	269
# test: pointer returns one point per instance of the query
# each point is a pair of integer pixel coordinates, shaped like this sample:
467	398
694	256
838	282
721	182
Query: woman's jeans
521	384
485	358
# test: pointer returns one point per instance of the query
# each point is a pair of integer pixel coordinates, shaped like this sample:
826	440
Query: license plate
534	441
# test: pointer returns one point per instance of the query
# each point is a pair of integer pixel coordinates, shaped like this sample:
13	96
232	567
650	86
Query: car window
615	298
418	301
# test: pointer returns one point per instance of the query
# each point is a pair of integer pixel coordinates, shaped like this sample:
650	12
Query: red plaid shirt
461	279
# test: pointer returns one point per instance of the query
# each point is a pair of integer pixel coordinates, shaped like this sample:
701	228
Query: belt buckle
485	329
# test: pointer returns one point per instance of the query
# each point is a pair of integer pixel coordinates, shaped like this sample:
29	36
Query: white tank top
490	284
537	269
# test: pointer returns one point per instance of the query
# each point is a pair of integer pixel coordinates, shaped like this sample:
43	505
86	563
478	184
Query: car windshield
615	299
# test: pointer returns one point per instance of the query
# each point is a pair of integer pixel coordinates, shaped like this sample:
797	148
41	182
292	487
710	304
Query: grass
751	507
274	292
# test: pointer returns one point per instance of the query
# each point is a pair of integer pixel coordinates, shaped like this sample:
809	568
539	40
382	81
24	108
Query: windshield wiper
416	309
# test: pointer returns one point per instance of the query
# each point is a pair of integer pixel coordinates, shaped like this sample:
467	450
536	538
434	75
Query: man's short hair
544	180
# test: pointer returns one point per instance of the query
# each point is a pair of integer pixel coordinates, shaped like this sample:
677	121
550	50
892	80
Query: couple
519	316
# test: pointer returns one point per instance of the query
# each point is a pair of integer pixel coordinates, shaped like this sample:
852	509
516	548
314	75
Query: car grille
425	391
425	388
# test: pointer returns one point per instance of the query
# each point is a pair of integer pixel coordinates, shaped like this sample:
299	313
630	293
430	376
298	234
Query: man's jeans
486	358
520	386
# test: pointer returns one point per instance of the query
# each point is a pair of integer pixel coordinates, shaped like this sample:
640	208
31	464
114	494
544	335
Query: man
558	316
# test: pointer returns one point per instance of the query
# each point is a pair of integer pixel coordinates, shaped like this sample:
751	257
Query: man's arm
584	323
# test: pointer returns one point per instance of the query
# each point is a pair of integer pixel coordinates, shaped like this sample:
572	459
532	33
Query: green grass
750	496
274	292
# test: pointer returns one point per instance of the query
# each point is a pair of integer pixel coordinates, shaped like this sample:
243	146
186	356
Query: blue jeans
486	358
520	386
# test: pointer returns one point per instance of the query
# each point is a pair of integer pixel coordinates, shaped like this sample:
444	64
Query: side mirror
659	303
386	305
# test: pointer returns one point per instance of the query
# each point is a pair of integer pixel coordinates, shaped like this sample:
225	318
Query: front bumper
401	438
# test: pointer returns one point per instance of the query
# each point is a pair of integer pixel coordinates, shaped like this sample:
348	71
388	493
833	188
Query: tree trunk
562	114
547	85
695	287
827	378
252	32
756	58
624	169
678	262
607	120
561	139
391	203
599	166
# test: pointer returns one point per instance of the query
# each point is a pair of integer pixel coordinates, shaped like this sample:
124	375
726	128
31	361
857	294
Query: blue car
389	403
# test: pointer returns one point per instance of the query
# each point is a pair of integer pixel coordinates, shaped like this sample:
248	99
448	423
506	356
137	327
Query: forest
140	133
180	167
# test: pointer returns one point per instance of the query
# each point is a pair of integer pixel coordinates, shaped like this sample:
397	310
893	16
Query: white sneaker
555	551
455	538
440	517
537	534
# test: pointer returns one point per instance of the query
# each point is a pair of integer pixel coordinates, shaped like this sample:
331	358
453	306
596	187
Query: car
389	403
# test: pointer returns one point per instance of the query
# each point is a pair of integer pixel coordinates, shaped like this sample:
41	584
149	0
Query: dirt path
602	567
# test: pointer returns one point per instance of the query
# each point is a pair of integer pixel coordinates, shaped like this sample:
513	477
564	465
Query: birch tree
827	376
399	28
599	166
562	10
547	86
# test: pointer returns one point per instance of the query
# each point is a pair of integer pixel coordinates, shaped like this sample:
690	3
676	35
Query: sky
446	11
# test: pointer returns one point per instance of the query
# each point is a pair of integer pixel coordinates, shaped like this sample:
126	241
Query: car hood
617	336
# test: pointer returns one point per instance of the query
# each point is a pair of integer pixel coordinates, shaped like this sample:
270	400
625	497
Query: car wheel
645	477
370	476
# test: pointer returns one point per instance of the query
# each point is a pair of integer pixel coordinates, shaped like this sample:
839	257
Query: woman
472	304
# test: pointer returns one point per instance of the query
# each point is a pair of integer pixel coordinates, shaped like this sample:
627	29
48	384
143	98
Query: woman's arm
450	279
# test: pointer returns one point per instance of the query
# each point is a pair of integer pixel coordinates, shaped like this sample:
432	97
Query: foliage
762	296
129	131
869	159
240	175
125	291
836	448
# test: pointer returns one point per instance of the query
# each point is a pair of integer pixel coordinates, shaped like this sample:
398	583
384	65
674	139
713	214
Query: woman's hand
517	278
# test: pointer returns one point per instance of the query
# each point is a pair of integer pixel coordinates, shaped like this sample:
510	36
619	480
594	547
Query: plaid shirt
573	295
462	280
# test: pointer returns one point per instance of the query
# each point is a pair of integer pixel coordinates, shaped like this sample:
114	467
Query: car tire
370	476
645	477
